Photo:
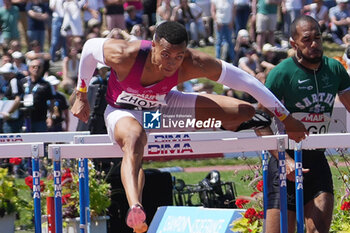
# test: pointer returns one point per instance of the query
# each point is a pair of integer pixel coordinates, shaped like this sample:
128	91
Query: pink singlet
127	98
130	94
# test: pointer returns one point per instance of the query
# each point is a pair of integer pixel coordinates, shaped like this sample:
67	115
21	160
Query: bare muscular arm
199	65
120	55
117	54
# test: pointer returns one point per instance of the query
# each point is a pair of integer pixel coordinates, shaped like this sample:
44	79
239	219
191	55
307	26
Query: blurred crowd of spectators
41	42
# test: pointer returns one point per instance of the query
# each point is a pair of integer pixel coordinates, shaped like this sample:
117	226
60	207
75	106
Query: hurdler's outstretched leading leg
132	138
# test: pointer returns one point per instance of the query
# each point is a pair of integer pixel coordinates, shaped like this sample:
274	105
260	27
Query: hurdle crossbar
23	150
315	141
160	148
40	137
177	136
318	141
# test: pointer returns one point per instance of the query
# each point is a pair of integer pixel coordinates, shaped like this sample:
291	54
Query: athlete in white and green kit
309	94
307	84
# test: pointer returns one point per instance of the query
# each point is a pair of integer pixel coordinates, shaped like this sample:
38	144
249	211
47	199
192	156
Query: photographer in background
37	92
12	121
13	90
58	108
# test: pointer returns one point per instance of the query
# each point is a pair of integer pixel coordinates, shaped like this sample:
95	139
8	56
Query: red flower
16	161
260	214
65	198
67	176
241	202
345	206
250	213
29	181
42	186
260	186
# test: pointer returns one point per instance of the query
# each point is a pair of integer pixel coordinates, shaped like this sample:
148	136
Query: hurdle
315	141
152	137
46	137
85	220
182	143
22	142
175	145
27	150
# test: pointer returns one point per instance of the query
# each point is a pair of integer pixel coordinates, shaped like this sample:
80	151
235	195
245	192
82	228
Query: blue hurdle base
193	219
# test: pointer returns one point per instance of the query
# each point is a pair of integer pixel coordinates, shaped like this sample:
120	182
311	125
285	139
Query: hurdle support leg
36	188
299	188
265	157
58	188
87	196
283	186
85	219
82	200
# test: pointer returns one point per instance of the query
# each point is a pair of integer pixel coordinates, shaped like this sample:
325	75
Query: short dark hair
303	18
171	31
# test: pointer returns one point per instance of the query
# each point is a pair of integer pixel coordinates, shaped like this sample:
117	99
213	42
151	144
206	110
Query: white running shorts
180	105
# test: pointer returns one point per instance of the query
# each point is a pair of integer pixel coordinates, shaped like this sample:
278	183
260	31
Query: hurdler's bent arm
238	79
92	54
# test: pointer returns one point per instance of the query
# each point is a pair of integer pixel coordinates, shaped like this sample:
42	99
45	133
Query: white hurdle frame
152	137
21	148
35	151
45	137
211	144
111	150
84	199
197	140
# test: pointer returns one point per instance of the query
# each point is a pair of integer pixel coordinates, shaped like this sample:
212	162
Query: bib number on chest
315	123
143	101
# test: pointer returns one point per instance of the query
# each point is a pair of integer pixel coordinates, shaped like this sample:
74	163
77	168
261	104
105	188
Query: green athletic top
266	9
8	21
309	95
